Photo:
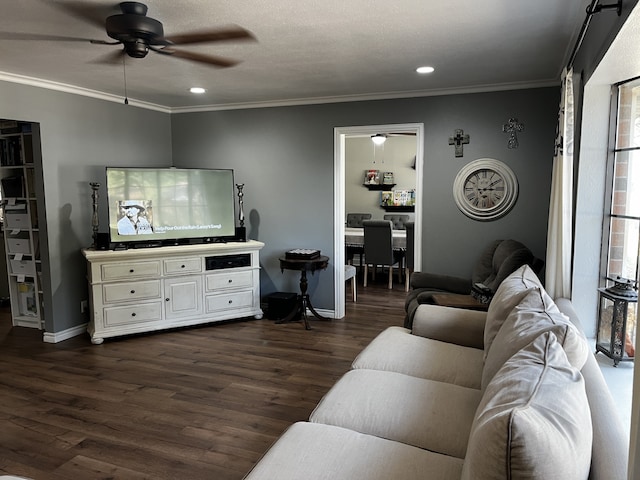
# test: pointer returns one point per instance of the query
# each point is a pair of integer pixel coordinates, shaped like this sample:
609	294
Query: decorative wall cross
512	127
458	140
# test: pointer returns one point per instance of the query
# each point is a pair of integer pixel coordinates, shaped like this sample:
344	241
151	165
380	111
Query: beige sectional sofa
511	393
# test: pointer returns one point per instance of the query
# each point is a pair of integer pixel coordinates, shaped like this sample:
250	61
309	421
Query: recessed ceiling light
425	69
197	90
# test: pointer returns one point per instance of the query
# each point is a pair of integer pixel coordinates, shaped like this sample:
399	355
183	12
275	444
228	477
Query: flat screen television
165	206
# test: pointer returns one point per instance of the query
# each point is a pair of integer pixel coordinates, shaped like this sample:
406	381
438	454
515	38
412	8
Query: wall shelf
379	187
399	208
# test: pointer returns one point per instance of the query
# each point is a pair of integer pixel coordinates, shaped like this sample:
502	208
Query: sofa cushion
509	294
527	321
397	350
314	451
533	421
424	413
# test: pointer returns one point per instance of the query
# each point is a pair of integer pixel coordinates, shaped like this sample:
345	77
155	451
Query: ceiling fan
139	34
380	138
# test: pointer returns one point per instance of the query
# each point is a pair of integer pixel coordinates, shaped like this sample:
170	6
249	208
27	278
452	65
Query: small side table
457	300
611	333
304	302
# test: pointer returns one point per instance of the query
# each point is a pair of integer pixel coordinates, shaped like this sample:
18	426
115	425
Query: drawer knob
133	291
133	314
230	302
166	299
230	281
131	271
182	266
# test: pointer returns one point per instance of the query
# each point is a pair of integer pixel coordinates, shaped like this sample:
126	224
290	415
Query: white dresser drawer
119	292
229	301
223	280
183	265
122	271
132	314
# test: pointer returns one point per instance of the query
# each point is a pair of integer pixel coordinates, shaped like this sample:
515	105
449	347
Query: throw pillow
533	421
532	317
509	294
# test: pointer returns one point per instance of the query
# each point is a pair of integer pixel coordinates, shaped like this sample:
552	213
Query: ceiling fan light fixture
197	90
425	69
378	138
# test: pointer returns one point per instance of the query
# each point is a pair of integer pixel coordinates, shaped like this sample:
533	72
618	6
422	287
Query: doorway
340	167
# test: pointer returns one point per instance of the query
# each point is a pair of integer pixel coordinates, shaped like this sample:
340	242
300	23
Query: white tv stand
146	289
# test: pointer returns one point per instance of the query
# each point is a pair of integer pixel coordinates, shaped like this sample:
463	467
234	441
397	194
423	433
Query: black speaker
102	241
241	234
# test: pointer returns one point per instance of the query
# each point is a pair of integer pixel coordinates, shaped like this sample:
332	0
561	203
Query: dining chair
378	248
350	274
397	219
355	220
408	255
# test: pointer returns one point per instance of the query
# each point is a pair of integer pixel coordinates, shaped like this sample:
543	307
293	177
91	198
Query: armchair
499	259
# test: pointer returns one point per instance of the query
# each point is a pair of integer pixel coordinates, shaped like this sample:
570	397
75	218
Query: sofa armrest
451	325
436	281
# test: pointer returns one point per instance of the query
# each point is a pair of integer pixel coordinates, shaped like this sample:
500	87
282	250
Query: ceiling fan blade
91	13
197	57
214	35
36	36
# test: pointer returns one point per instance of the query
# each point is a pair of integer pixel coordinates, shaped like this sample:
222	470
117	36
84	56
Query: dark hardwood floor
197	403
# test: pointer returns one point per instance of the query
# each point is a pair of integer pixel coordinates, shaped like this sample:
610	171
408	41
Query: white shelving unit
20	223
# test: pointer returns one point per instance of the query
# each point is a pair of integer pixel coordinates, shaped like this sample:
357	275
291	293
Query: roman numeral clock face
485	189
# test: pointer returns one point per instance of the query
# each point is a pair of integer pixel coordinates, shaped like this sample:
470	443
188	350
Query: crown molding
75	90
370	97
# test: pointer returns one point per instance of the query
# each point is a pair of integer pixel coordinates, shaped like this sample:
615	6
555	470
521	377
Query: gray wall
284	156
80	136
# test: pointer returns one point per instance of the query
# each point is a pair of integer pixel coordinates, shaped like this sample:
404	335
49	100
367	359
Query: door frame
339	188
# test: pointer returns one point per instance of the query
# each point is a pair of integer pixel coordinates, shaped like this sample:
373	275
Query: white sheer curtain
559	232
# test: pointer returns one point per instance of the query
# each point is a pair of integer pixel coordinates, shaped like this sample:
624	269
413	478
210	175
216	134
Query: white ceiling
308	51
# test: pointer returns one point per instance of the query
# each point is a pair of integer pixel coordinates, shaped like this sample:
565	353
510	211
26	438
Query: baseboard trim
65	334
322	311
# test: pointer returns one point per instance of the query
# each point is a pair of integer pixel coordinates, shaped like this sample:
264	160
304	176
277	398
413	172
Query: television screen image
135	217
170	204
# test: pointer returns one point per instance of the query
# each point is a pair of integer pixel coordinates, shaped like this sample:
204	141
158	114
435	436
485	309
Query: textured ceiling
306	50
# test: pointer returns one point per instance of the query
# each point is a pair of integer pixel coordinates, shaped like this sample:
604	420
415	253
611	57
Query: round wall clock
485	189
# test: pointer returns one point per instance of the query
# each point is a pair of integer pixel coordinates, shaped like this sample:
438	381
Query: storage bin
16	220
18	245
22	267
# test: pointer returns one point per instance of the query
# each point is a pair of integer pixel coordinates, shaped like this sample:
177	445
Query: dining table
354	241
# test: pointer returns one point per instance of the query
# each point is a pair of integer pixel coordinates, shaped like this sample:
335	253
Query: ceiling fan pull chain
124	71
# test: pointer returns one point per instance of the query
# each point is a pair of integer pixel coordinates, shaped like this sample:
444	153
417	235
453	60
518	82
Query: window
623	204
621	234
